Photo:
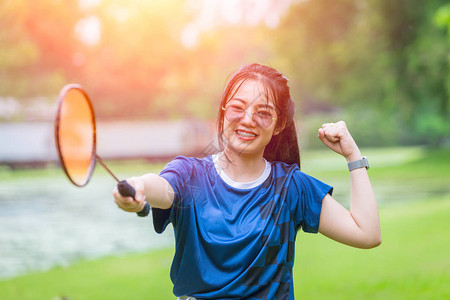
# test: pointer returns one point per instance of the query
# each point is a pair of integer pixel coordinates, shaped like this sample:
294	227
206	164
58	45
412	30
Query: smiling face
250	119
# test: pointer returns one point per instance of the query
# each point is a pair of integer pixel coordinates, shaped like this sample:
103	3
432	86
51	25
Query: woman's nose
248	119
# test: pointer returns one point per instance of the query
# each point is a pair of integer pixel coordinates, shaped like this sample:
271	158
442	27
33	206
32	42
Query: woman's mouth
246	135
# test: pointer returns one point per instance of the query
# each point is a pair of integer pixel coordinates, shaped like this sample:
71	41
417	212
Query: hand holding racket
75	135
127	204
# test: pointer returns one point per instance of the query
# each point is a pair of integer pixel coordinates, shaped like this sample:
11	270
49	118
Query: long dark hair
284	146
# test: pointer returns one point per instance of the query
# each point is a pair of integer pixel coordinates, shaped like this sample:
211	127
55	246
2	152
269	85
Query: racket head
75	134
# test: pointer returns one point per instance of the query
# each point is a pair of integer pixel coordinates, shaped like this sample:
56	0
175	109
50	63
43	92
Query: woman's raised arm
359	227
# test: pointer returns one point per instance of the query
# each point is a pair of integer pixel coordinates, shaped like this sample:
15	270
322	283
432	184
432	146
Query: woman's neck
242	167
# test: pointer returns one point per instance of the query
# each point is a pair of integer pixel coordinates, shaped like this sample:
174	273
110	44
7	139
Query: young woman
236	213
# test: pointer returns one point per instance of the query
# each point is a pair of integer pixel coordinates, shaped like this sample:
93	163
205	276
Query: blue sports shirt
237	242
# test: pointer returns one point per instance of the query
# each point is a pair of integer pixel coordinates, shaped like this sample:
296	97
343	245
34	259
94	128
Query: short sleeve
177	173
307	193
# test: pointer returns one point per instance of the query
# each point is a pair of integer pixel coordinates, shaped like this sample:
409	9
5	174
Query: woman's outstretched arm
149	187
359	227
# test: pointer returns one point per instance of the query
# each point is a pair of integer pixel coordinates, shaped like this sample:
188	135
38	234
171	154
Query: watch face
365	162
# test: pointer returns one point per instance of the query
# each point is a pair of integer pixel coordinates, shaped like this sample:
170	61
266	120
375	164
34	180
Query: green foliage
442	18
382	65
35	44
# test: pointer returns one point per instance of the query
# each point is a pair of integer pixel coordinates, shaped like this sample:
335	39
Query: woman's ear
279	128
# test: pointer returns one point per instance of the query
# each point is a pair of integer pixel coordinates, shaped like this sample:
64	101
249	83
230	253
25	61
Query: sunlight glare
88	30
211	14
88	4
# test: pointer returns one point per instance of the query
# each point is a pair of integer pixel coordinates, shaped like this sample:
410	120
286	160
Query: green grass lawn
413	262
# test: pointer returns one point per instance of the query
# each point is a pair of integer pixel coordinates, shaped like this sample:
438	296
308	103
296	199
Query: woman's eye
236	107
264	113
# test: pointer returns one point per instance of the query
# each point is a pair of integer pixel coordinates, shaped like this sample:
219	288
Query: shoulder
195	161
192	160
188	164
282	169
184	170
294	177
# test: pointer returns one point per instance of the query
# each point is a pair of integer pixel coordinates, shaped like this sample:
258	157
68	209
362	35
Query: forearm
157	191
363	204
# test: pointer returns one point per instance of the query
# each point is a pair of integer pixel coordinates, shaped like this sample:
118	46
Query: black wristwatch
145	211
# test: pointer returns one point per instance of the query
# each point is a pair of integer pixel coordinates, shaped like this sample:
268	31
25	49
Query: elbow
373	242
376	242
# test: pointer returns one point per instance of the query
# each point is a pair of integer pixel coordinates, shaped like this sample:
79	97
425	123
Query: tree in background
383	65
384	62
130	56
35	43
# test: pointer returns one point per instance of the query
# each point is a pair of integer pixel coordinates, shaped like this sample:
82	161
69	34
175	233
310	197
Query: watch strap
361	163
145	211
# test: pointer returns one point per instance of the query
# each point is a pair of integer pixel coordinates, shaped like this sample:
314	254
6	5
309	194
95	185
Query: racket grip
125	189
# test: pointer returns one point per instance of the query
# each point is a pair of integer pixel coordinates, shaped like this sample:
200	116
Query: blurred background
155	70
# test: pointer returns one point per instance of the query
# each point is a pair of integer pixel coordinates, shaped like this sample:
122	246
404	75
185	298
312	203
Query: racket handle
125	189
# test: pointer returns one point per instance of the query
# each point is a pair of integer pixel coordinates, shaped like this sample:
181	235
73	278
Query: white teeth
245	134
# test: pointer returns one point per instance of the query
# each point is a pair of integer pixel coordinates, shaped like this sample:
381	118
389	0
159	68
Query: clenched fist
337	137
